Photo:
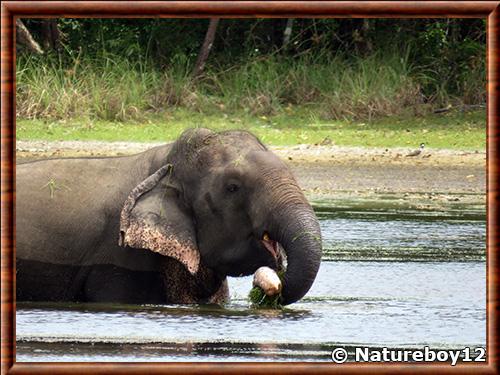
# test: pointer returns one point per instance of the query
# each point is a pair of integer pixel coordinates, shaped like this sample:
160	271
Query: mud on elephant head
225	200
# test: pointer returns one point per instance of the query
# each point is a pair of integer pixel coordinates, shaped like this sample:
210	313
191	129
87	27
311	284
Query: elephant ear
153	218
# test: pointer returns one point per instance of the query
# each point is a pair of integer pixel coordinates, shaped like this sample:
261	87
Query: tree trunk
206	47
51	36
55	35
24	38
287	33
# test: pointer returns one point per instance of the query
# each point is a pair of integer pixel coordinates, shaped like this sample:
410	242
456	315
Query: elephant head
224	200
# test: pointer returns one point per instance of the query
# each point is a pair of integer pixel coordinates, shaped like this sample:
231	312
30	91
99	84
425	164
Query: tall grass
109	89
364	88
114	88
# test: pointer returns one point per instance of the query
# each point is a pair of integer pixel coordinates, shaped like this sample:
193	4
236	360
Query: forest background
354	82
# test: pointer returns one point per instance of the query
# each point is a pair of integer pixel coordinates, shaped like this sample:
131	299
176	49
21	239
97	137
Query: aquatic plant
260	299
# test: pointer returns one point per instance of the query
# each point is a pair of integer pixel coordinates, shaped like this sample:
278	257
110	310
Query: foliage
117	89
260	300
126	69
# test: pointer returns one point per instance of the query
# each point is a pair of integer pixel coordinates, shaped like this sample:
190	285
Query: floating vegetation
266	292
52	185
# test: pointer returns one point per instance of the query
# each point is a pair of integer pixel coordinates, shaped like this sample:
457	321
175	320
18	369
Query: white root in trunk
267	279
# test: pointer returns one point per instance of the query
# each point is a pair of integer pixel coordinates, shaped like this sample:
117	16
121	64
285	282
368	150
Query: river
392	276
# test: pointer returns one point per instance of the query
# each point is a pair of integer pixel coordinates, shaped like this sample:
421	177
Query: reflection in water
169	352
357	302
373	303
403	240
392	233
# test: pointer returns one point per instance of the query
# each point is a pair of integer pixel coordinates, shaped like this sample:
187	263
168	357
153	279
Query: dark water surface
391	276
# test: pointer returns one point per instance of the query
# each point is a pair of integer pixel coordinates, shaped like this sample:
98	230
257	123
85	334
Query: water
392	230
389	278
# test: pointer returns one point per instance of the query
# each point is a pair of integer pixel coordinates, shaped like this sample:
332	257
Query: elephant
164	226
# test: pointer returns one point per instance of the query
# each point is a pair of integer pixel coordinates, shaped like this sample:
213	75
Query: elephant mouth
275	249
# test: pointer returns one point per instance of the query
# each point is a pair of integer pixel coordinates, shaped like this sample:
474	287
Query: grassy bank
111	88
453	130
376	100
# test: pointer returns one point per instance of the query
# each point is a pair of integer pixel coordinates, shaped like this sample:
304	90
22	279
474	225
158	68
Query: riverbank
434	176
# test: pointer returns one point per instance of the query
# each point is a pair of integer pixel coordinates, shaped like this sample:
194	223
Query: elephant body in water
163	226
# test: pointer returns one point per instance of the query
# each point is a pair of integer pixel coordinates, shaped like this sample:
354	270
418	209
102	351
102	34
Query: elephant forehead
222	156
240	155
249	163
265	158
241	138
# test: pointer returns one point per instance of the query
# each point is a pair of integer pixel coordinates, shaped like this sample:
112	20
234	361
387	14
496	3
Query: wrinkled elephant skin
164	226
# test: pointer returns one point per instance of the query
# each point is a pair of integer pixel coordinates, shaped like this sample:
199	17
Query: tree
206	47
25	39
51	36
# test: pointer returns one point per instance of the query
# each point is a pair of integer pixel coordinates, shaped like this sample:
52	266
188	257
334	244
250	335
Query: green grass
112	88
453	130
374	101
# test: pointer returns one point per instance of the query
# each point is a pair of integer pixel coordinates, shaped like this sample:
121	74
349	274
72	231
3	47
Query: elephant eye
232	188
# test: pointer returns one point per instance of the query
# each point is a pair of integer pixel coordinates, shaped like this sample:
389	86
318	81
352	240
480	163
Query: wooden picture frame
203	9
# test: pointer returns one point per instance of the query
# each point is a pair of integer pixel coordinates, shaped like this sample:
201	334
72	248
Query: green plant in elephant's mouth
257	295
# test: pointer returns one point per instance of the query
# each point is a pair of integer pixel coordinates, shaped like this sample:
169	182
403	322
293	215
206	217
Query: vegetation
454	130
259	299
369	82
115	89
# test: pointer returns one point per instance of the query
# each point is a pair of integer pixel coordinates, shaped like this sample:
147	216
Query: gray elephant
163	226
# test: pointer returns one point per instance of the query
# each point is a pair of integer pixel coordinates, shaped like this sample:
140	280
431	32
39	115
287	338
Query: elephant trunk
295	226
301	240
